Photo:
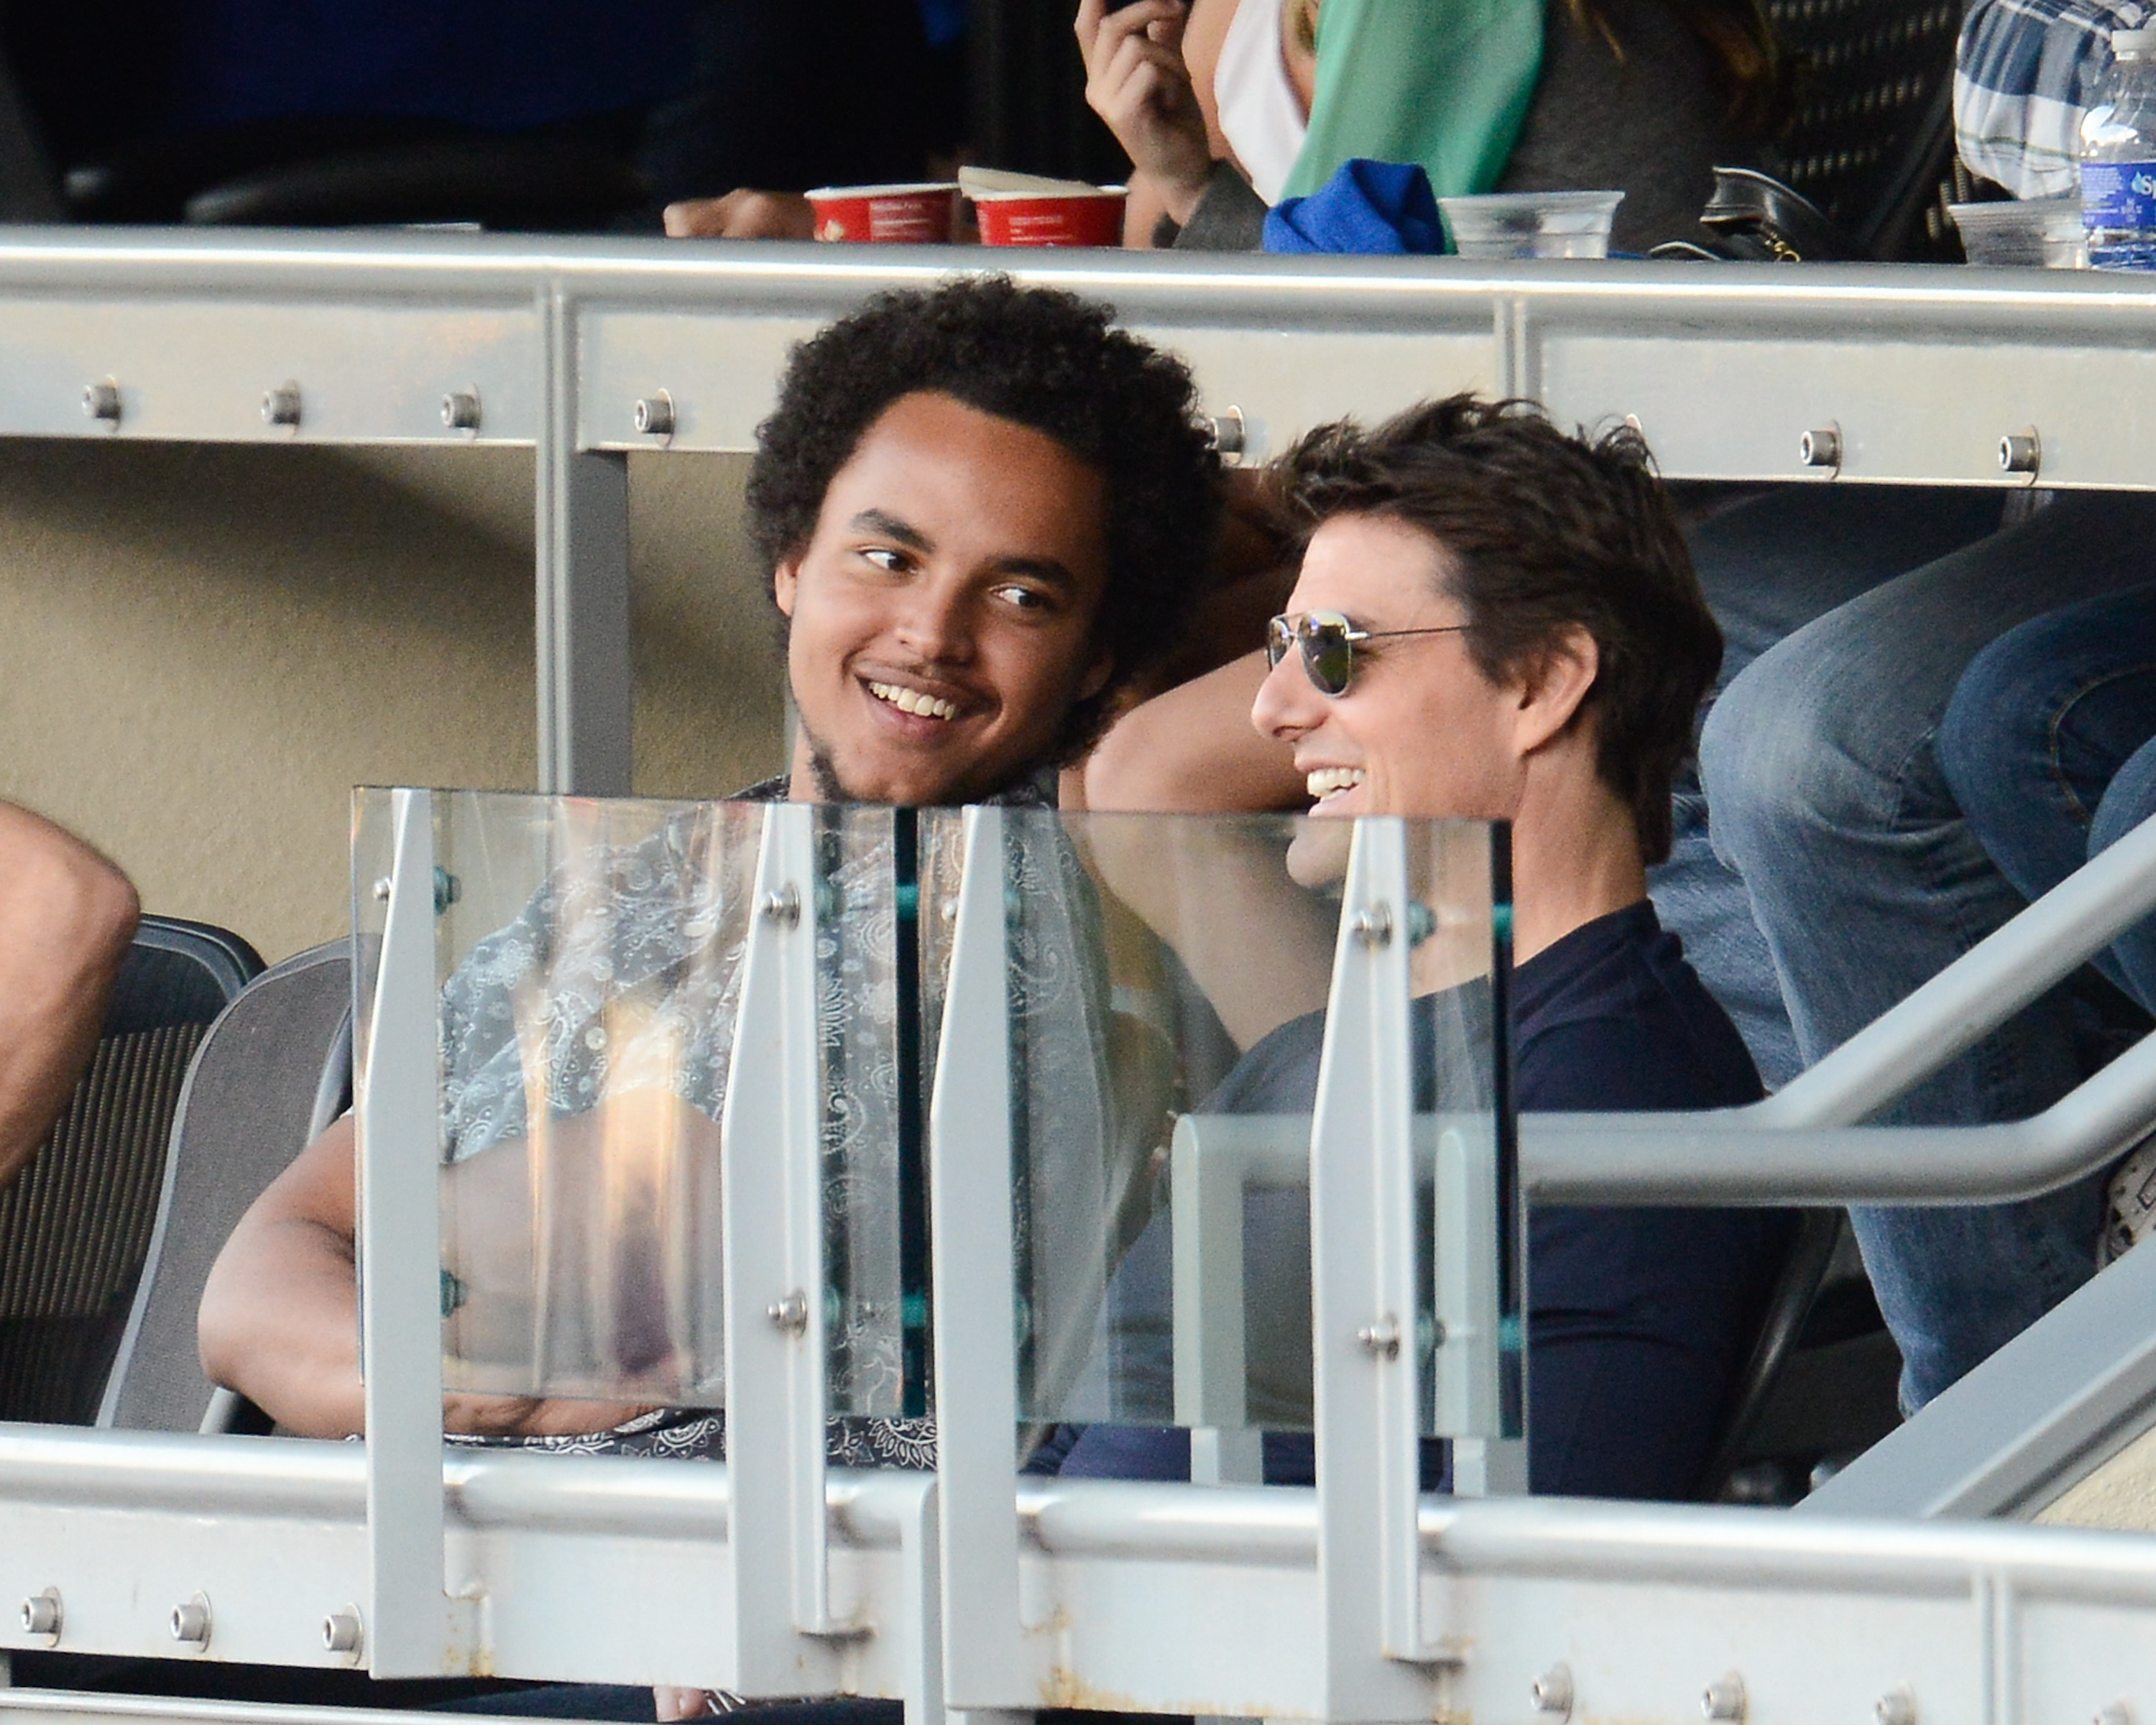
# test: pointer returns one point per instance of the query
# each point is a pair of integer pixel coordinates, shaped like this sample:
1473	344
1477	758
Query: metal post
1363	1300
773	1253
582	620
400	1263
985	1664
1206	1213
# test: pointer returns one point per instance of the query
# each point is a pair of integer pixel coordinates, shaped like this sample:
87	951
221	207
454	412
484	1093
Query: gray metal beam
2057	1401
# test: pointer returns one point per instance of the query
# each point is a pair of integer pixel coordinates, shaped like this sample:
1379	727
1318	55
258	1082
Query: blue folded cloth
1368	207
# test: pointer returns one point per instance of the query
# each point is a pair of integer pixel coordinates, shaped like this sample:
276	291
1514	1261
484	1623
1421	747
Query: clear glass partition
1167	980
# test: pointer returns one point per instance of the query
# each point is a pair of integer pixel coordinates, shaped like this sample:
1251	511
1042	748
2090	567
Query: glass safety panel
1168	985
589	964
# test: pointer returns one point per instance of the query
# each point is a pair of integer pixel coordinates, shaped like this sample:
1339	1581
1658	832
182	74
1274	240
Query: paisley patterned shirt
623	972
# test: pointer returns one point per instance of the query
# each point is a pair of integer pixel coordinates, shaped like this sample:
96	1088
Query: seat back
271	1073
76	1223
1796	1287
1872	136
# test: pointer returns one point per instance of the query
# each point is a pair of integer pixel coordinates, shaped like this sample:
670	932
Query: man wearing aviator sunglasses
1328	641
1494	620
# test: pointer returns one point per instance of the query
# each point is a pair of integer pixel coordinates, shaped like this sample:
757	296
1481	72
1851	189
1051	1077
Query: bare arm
1192	752
66	916
280	1316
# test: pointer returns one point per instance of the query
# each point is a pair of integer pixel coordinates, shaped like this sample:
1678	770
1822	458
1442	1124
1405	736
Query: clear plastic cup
1532	224
2030	233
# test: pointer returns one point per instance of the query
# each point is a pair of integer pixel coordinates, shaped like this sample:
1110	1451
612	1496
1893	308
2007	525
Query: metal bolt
1229	434
382	891
1374	927
341	1632
191	1622
460	410
655	414
790	1314
101	402
784	905
1724	1697
41	1613
281	406
2117	1713
2021	452
1552	1692
1821	448
1896	1706
1382	1339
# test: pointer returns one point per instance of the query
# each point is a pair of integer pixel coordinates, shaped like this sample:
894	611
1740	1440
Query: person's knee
1777	758
2000	713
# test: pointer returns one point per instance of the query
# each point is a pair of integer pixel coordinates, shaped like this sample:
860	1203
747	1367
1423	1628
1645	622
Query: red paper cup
1050	218
885	215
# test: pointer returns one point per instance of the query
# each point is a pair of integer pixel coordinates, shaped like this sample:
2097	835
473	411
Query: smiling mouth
914	701
1327	781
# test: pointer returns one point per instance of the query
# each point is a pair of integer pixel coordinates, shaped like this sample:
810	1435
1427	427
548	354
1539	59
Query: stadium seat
272	1072
76	1224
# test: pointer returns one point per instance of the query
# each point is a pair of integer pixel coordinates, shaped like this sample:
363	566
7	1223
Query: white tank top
1260	116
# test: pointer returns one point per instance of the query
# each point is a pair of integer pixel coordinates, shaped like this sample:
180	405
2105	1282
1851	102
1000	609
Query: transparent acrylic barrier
1167	982
1168	978
589	963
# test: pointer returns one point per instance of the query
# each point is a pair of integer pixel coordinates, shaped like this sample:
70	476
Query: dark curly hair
1544	532
1042	359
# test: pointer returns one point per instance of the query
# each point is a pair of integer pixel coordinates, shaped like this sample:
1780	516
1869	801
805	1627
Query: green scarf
1444	83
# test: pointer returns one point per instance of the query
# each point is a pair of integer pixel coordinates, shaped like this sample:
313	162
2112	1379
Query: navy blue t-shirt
1639	1319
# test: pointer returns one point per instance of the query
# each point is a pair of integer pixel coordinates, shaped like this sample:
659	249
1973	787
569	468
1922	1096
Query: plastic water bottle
2118	158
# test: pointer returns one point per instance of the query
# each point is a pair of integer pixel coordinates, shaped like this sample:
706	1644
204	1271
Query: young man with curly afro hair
986	511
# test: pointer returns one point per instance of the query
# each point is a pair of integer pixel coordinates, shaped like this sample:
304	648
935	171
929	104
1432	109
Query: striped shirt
2025	73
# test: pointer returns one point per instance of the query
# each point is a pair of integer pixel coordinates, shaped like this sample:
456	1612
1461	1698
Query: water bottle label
2118	195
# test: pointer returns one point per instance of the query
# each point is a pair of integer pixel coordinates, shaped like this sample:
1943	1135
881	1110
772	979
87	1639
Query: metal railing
964	1590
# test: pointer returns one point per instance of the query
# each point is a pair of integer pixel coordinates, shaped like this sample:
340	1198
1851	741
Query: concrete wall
202	649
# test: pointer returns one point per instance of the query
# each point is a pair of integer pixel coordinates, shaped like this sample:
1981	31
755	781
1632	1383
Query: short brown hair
1544	532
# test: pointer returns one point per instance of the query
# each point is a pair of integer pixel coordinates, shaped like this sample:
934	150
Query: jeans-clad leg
1829	802
2042	725
1767	567
2130	801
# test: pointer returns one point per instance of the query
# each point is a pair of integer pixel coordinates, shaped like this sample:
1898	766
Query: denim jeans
1829	802
1767	567
2048	745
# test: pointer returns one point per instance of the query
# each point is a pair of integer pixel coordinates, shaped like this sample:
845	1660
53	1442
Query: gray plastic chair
272	1072
75	1225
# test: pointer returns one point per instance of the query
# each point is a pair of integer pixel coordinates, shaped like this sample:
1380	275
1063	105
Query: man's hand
742	215
1137	81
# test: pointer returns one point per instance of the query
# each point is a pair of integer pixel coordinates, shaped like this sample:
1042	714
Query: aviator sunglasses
1328	642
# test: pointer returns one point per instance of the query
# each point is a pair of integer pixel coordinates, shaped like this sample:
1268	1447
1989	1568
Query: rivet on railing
460	410
790	1314
191	1622
2021	452
281	406
1724	1697
1552	1692
101	402
1374	927
41	1614
1896	1706
1821	447
1230	435
1382	1339
784	905
341	1632
655	414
